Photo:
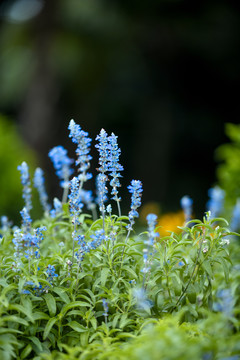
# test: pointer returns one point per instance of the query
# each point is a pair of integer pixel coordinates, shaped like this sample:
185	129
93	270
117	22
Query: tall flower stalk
103	149
186	204
83	142
25	180
114	168
135	188
62	163
39	184
75	207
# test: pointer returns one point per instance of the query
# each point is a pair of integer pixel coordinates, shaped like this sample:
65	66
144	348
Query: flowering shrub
78	286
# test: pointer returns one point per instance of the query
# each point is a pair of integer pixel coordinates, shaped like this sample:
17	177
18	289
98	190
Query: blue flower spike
136	190
216	199
39	184
62	163
114	168
186	204
25	180
83	142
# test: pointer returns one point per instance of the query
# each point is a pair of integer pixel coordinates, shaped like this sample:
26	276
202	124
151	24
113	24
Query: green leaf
74	304
77	327
39	315
104	275
62	294
26	351
36	342
23	310
51	304
48	327
208	268
225	268
93	322
14	318
128	269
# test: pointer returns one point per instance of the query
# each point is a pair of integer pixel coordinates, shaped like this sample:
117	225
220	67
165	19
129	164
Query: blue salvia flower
152	221
25	180
61	163
105	308
40	186
75	203
215	203
5	223
113	166
136	190
101	191
235	221
103	149
81	138
57	210
51	273
26	219
186	204
98	238
87	198
141	299
18	242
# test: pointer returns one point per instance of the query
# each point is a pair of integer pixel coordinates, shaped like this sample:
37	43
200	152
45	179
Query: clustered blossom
113	166
81	138
141	299
152	221
186	204
136	190
25	180
27	243
61	163
101	191
86	247
57	208
5	223
51	273
40	186
103	149
105	308
26	219
215	203
86	197
75	203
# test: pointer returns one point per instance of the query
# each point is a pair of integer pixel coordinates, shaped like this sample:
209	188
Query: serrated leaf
48	327
51	304
77	327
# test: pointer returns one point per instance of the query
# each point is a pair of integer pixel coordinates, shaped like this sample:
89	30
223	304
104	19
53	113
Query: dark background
162	75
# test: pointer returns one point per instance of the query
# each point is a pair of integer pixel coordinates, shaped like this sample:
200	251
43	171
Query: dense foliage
79	286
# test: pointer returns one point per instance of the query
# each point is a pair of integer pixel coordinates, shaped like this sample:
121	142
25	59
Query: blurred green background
162	75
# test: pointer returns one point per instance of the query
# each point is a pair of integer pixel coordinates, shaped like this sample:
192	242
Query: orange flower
170	222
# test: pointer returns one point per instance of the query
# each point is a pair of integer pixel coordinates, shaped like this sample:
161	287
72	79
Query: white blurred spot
23	10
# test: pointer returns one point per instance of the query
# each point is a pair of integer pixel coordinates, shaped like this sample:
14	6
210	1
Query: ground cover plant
80	283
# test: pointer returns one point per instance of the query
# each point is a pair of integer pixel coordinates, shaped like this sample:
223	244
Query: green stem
192	275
